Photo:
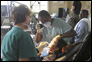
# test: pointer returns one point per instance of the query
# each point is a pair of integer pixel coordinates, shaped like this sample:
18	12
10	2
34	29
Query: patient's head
53	48
57	46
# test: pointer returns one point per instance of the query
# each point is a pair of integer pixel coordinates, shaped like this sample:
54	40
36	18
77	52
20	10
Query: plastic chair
84	52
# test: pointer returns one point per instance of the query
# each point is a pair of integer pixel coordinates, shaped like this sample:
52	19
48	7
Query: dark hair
43	13
19	13
60	44
85	13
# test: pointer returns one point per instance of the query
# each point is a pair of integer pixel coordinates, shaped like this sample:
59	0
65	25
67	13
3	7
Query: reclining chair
80	51
85	51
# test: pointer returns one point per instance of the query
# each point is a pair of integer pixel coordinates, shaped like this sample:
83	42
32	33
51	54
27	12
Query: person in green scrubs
18	45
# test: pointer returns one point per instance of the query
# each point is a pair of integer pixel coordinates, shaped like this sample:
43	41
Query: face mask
29	28
47	24
12	23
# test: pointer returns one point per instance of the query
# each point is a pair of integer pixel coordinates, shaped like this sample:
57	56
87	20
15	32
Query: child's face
53	48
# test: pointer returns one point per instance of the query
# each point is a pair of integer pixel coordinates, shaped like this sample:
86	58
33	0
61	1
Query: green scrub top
59	26
18	44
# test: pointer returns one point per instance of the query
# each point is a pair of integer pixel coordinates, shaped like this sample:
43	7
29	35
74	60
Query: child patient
55	47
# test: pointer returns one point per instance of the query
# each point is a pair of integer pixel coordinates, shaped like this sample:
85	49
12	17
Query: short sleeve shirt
59	26
81	30
18	44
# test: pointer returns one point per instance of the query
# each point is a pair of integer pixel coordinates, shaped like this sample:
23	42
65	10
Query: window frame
34	3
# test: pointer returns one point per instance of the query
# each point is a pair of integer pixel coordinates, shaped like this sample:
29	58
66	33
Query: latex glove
41	46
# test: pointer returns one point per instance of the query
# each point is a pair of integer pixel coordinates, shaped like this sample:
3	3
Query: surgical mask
29	28
47	24
12	23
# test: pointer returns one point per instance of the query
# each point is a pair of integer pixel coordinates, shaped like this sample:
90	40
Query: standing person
17	45
53	27
74	18
83	27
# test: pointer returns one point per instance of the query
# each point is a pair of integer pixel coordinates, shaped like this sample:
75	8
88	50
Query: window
7	6
16	3
5	2
37	6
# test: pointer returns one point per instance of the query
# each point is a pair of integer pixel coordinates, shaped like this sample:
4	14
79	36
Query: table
5	27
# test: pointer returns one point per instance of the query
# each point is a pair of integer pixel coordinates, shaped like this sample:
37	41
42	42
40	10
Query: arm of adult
39	36
68	34
68	31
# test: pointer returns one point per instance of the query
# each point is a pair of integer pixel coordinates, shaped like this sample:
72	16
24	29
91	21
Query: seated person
56	44
83	27
83	24
55	47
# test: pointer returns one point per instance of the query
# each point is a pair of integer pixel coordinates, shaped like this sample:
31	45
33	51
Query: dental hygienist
18	45
52	28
